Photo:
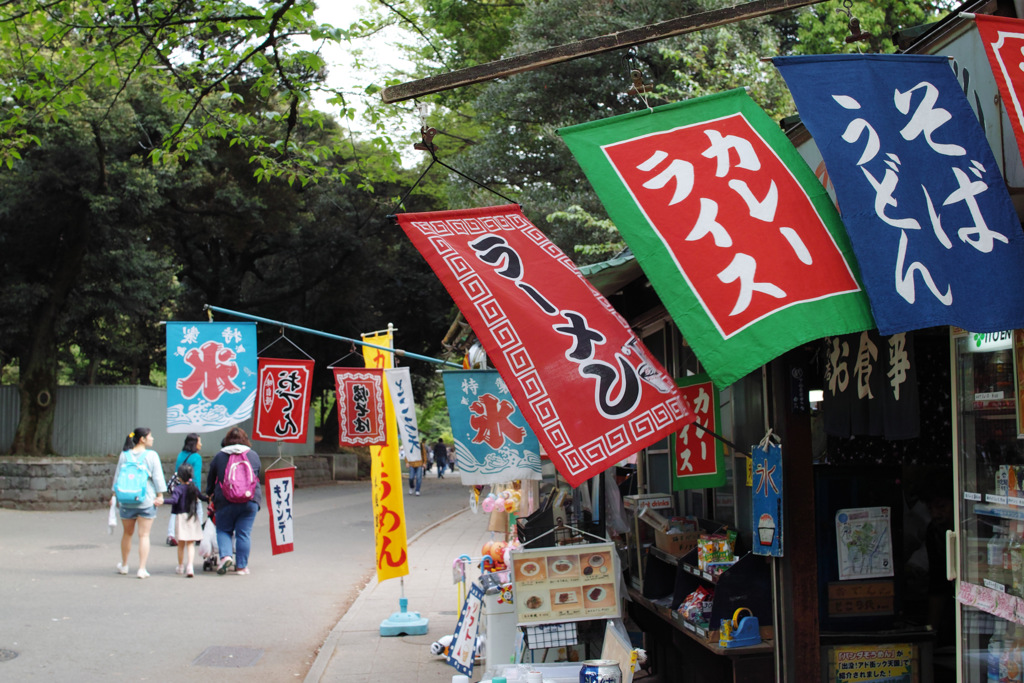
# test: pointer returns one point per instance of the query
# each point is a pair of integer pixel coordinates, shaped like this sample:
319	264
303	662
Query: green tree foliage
204	58
79	265
823	28
100	243
508	141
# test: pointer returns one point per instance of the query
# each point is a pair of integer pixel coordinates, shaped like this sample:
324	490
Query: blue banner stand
404	623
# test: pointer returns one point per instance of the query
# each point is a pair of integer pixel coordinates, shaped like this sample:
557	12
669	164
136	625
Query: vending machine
985	549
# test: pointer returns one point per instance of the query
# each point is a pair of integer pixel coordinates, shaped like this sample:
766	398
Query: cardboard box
676	544
653	501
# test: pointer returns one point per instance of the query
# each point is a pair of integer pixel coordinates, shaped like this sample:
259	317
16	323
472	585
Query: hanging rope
856	35
427	145
639	88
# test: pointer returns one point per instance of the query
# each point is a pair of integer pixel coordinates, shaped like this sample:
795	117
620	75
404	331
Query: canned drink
600	671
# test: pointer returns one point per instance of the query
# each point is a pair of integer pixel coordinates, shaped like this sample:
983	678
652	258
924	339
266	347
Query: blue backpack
130	487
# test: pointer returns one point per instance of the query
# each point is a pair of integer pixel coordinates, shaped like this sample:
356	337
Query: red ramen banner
280	484
282	403
361	415
589	388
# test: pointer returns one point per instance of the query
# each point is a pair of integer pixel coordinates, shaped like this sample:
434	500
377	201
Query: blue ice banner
766	499
931	222
211	375
493	442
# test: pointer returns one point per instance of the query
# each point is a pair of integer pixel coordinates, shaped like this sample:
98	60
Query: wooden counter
682	655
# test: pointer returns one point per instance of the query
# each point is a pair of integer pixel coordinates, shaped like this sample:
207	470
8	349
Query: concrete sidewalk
355	652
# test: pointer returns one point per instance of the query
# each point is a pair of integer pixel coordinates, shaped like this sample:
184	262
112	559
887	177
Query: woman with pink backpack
234	484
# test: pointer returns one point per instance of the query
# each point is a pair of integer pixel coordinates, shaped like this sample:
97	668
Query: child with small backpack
233	483
188	529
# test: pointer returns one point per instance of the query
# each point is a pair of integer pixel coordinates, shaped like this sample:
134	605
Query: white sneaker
417	493
142	574
122	568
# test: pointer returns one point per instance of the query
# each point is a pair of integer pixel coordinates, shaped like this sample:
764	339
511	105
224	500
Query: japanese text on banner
386	479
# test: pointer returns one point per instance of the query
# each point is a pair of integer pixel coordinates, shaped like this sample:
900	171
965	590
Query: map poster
565	583
864	543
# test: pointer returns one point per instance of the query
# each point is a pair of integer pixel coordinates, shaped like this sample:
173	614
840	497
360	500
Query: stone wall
83	483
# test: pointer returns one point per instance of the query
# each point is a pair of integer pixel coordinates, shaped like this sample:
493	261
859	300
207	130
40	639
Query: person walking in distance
416	469
440	457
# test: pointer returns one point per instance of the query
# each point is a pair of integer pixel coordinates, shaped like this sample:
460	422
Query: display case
642	536
747	584
990	526
693	649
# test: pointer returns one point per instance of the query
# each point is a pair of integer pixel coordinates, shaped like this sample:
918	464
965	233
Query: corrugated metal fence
94	420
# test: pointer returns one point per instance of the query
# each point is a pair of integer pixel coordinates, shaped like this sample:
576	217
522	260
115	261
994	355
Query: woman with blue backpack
138	487
234	484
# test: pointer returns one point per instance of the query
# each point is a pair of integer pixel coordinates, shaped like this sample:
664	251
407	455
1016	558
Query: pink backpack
240	482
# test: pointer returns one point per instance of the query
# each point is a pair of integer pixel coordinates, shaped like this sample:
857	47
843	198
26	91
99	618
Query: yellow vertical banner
386	476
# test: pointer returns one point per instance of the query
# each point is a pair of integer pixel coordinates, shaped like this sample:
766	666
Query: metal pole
399	352
586	48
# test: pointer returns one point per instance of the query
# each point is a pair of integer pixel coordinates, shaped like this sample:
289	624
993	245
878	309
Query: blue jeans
415	478
237	519
440	468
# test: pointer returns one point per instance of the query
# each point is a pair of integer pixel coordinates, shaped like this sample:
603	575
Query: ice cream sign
766	499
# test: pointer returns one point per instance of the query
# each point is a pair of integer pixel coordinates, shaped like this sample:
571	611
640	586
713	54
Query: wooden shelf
709	643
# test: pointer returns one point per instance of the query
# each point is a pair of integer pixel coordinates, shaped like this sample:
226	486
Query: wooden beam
587	48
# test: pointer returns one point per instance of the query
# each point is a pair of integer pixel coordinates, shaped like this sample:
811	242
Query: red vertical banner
361	416
699	460
282	401
1003	39
280	485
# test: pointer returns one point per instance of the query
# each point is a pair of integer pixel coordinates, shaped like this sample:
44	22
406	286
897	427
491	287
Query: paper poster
891	663
566	583
864	542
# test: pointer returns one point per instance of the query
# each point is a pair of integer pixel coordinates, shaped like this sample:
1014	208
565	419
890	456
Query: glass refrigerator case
988	557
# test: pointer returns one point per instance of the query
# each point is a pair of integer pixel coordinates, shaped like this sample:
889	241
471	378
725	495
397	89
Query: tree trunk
38	384
37	389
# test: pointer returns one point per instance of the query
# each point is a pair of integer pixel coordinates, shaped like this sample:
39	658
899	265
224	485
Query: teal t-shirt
193	459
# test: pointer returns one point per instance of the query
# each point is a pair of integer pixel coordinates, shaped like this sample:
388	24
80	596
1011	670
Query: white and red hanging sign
361	414
280	485
282	403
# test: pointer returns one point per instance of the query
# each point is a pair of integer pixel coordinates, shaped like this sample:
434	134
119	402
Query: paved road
67	614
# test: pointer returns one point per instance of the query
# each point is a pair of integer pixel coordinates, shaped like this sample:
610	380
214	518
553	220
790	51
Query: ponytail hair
191	491
135	437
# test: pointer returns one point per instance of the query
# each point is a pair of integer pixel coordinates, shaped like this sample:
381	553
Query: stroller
208	546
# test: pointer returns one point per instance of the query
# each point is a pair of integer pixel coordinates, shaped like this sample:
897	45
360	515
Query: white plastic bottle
995	652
